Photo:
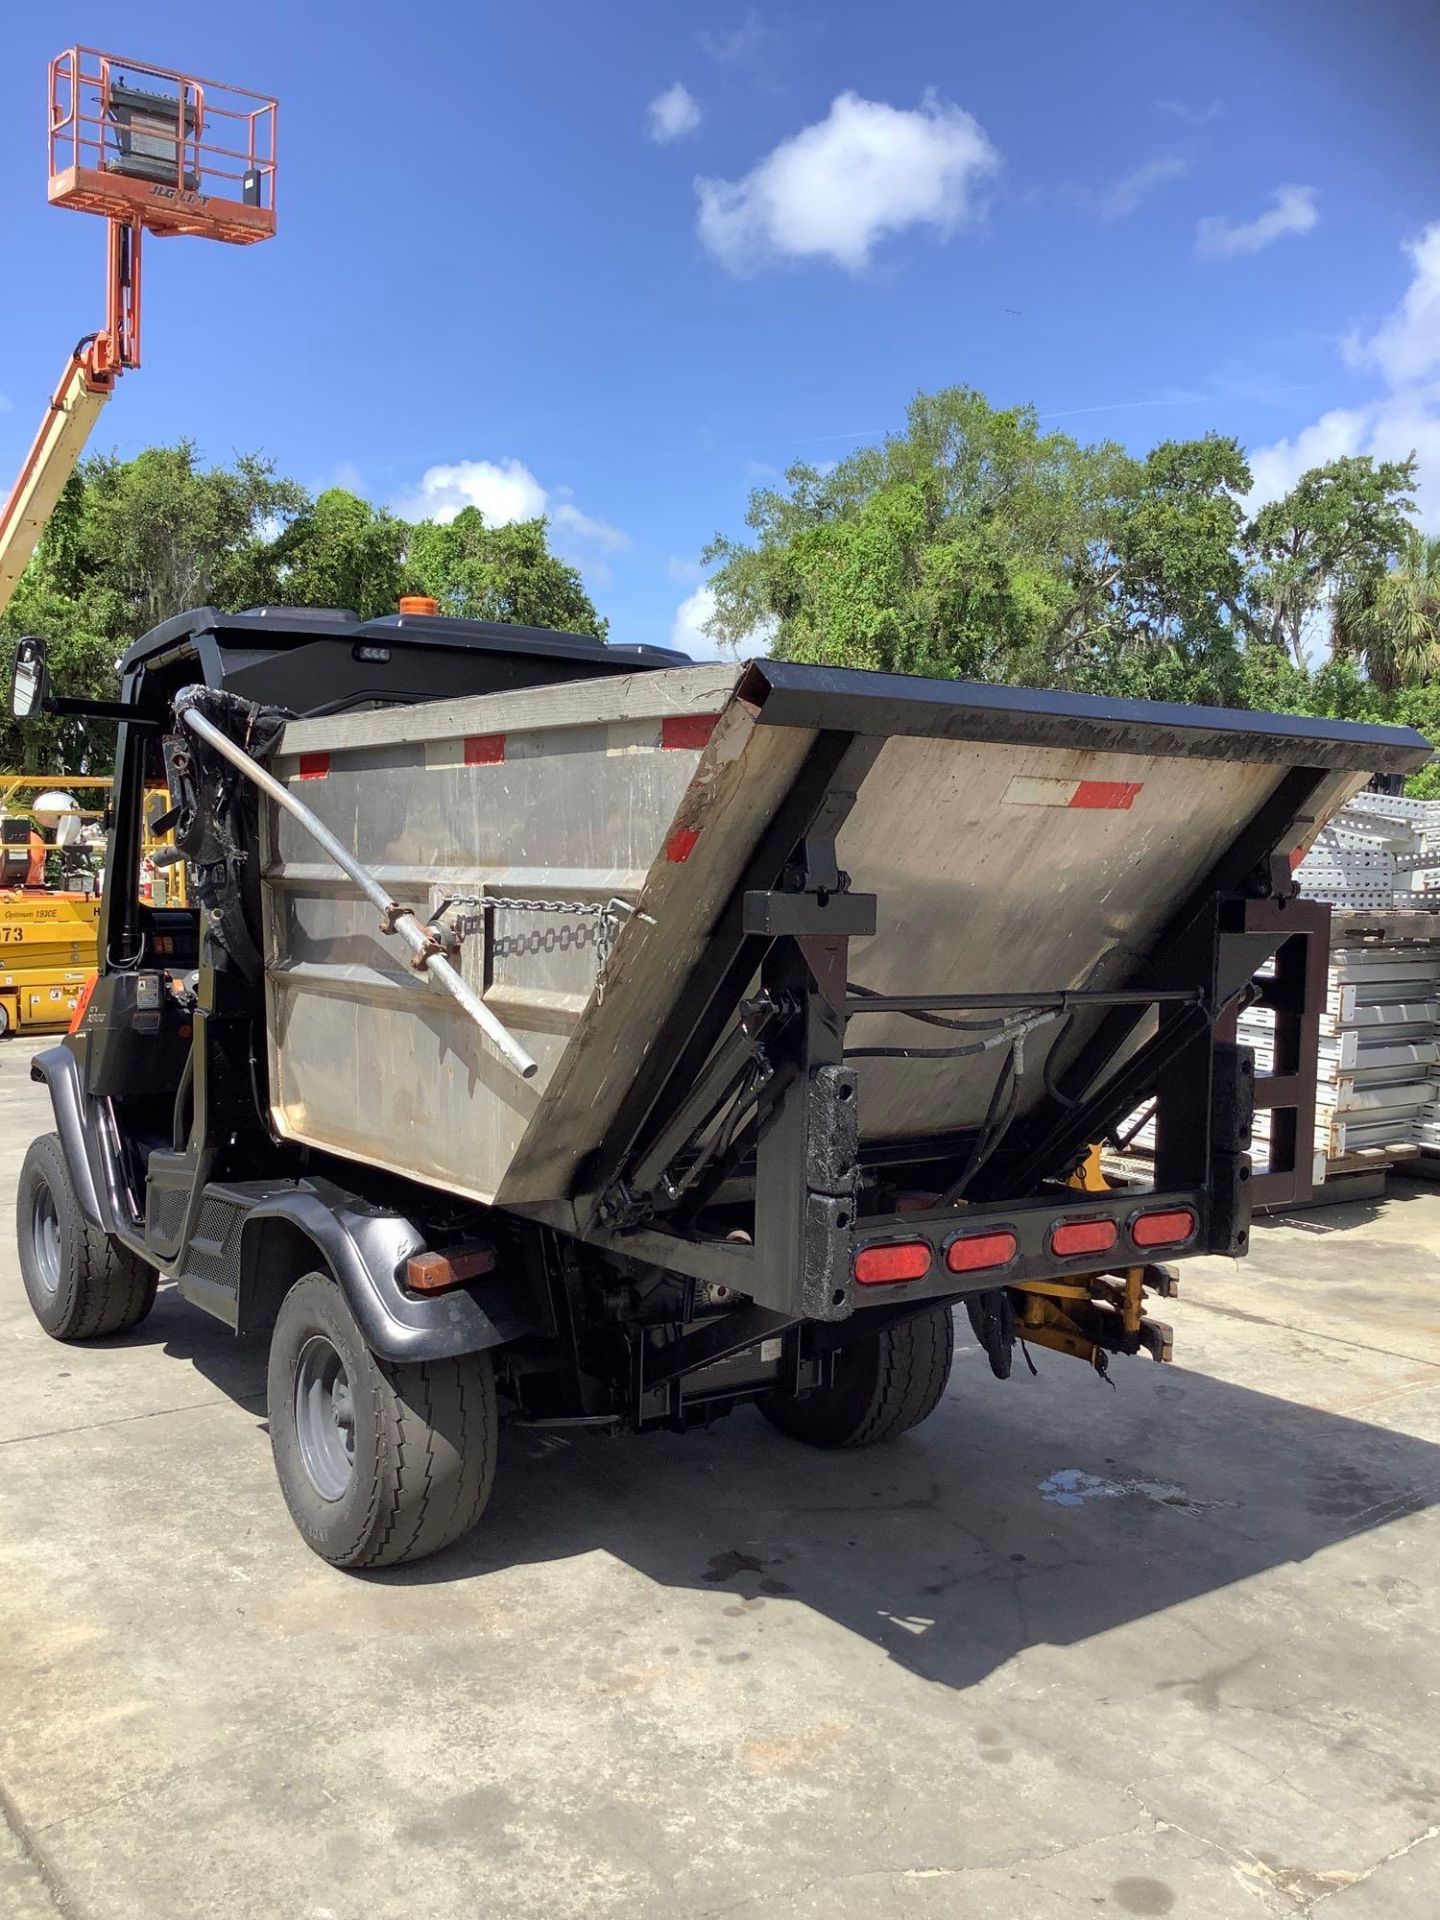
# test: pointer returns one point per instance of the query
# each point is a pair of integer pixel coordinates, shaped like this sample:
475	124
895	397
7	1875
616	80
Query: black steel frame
796	1171
1298	933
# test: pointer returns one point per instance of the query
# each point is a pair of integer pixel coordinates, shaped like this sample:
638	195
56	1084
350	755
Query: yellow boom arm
67	425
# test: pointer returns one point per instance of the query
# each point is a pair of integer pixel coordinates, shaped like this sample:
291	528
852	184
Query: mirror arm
95	710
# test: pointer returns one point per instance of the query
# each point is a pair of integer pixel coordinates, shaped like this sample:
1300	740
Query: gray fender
364	1250
90	1171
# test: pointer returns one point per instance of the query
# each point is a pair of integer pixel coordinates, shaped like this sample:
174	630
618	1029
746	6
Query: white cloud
1391	428
687	629
693	615
672	113
584	527
1192	116
1125	195
1403	419
834	189
504	491
680	569
1292	210
1406	347
742	47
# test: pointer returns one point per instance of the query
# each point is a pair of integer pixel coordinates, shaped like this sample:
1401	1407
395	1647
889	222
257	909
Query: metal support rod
1062	1002
394	917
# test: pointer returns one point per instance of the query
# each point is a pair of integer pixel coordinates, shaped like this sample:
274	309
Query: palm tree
1391	621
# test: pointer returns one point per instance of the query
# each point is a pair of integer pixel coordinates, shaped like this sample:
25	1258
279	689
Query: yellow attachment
1082	1314
1088	1176
47	953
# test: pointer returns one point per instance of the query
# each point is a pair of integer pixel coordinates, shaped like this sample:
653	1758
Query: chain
608	916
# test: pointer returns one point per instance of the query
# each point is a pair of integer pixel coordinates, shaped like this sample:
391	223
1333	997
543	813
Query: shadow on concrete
958	1546
1340	1216
1034	1510
236	1367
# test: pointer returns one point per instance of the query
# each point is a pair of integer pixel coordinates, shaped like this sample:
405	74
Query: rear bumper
975	1240
831	1291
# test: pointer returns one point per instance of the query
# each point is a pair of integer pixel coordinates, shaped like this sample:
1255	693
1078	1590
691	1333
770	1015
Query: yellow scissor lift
48	936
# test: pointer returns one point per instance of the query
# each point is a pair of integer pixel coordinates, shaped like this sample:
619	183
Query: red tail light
1164	1228
1083	1236
973	1252
886	1266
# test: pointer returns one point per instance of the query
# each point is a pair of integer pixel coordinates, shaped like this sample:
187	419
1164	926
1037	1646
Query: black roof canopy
313	660
284	627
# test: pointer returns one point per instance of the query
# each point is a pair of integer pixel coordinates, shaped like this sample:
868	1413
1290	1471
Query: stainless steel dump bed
1015	842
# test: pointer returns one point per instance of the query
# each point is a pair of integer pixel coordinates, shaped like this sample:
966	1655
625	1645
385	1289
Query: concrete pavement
1166	1649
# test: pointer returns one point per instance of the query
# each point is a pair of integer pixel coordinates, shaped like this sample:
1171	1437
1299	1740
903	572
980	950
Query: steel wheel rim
324	1418
45	1237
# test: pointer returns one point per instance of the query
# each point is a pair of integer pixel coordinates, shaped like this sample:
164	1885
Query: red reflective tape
314	766
1112	795
484	749
681	844
687	729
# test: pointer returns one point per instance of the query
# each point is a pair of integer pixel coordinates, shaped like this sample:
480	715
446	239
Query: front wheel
883	1384
81	1282
378	1463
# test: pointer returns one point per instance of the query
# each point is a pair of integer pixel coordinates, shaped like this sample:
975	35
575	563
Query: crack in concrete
1195	1304
1396	1853
1009	1863
26	1840
128	1419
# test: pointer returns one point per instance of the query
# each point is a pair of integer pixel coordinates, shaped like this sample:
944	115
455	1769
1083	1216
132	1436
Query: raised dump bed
1015	842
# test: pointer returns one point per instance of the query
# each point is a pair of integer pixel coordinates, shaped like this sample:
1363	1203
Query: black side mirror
29	678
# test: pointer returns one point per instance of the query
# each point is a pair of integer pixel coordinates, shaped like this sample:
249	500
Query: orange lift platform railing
153	151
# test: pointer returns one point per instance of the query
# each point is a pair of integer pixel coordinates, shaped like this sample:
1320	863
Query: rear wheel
378	1463
884	1383
81	1282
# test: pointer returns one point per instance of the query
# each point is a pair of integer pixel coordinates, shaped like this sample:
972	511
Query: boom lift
153	151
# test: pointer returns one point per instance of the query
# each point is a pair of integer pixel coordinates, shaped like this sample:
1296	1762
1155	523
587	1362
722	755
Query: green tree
1390	621
1336	529
967	545
338	551
133	542
499	573
130	543
164	533
974	545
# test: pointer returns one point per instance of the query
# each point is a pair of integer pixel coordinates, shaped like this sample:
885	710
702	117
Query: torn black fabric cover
217	818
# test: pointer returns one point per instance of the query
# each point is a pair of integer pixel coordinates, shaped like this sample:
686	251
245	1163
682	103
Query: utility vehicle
574	1034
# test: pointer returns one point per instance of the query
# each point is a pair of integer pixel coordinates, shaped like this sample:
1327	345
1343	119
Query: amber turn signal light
434	1272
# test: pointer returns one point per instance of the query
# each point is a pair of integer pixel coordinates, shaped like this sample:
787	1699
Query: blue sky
628	261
